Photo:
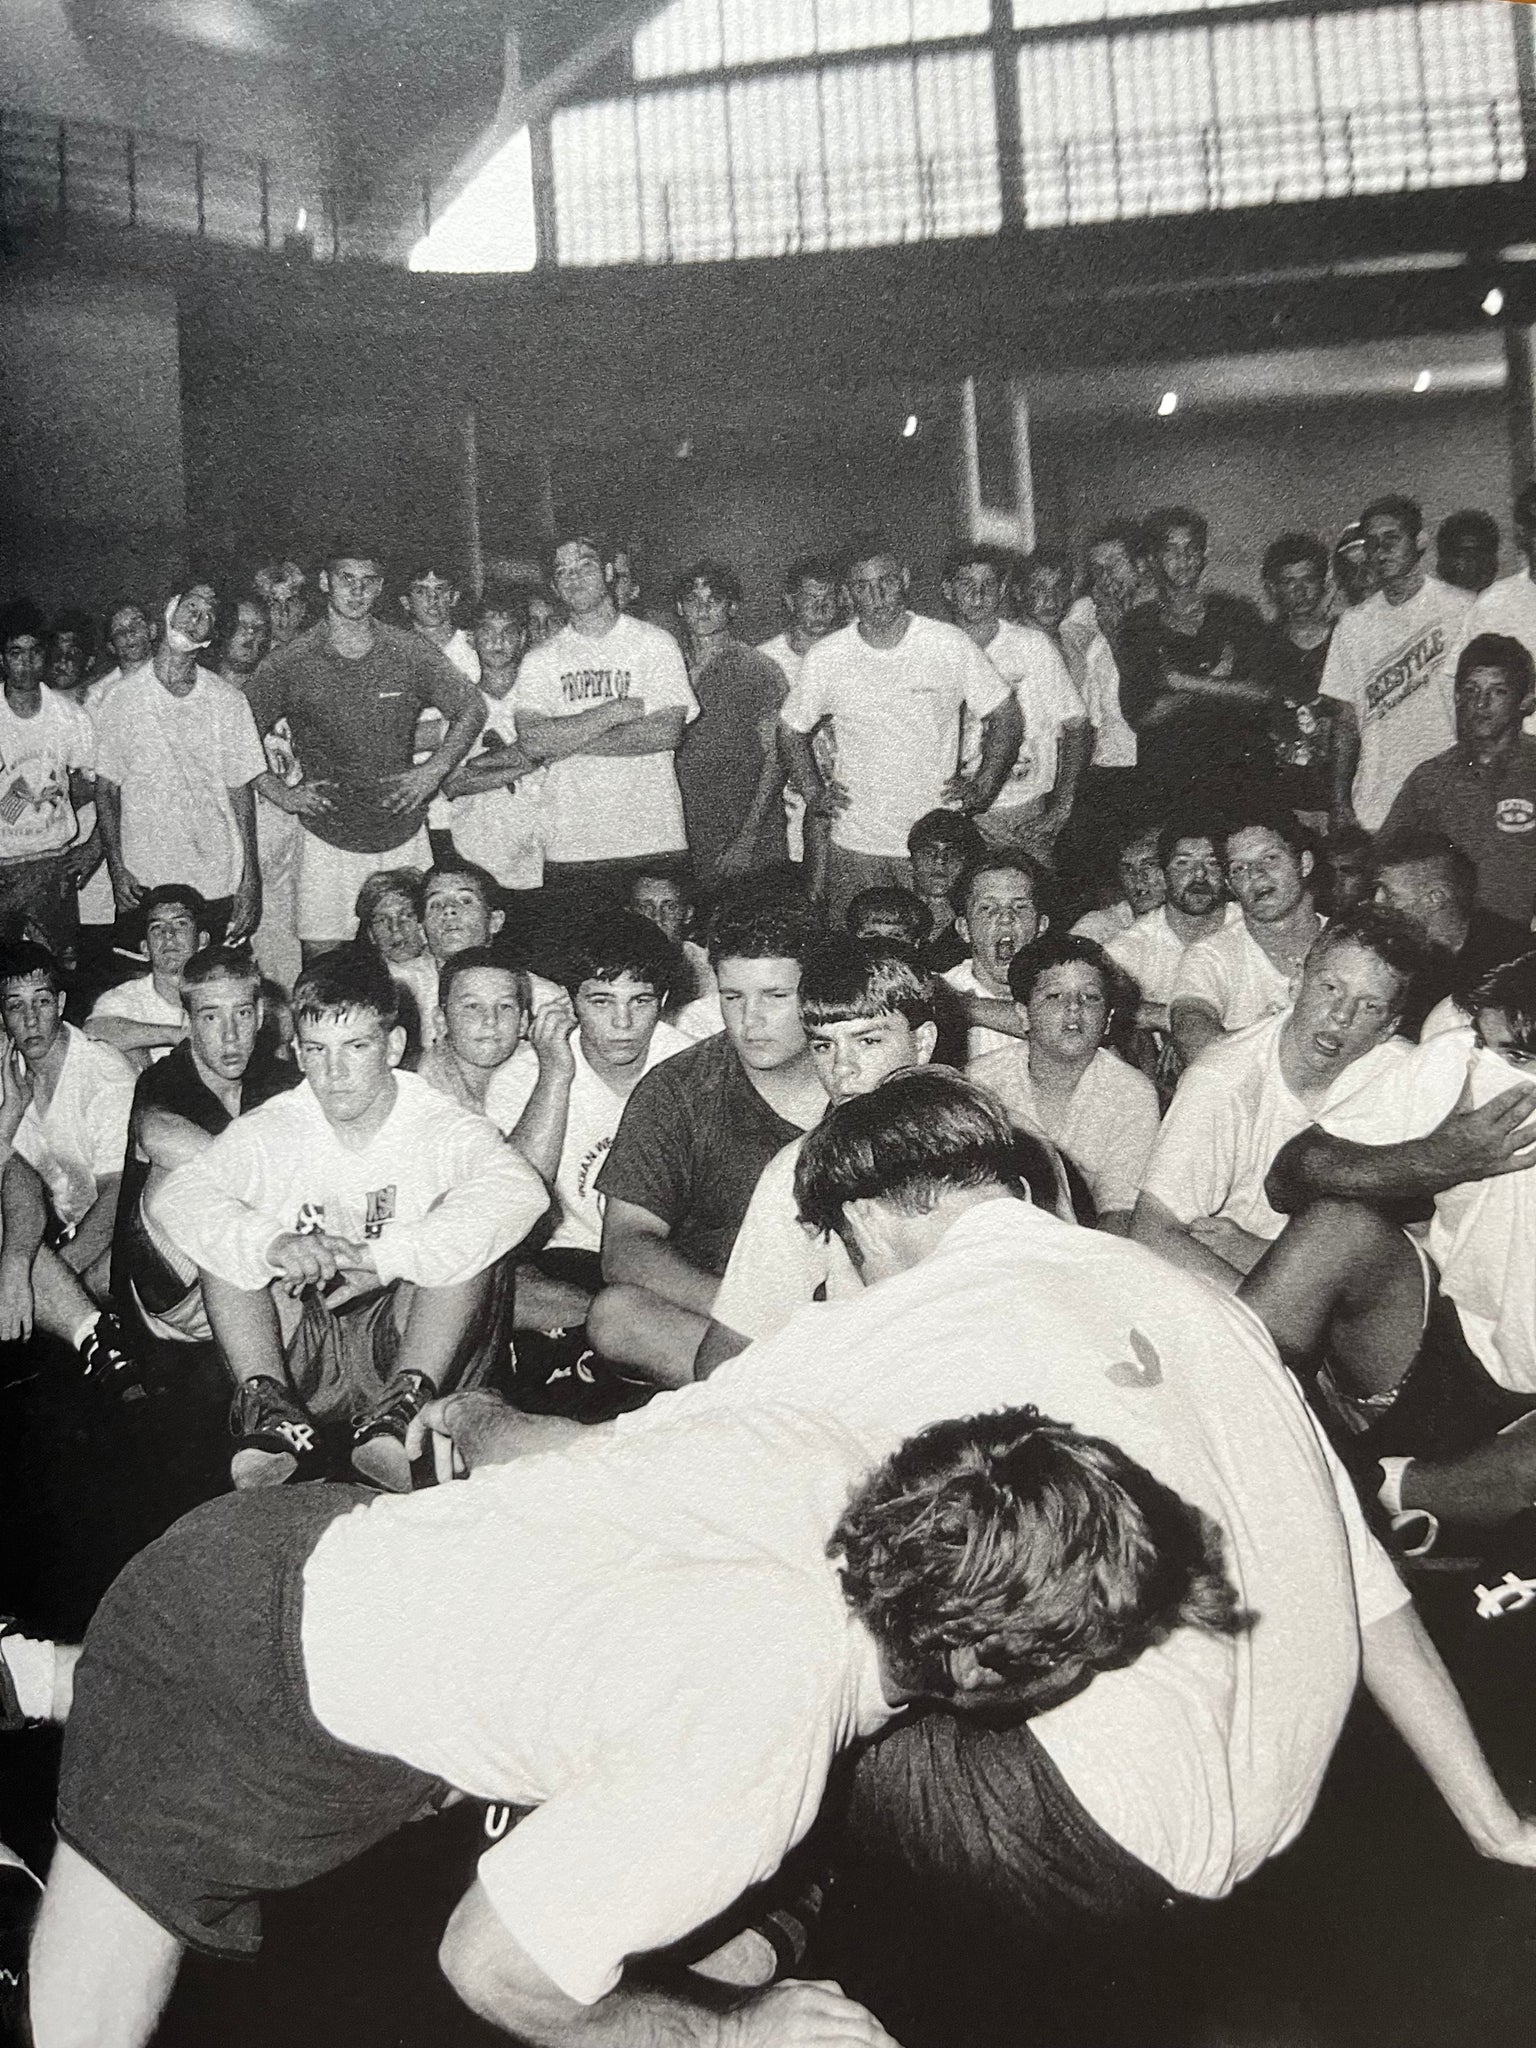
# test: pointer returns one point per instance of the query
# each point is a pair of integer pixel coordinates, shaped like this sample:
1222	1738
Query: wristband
1390	1491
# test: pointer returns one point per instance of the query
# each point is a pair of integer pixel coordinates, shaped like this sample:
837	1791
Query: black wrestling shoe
273	1434
109	1364
378	1436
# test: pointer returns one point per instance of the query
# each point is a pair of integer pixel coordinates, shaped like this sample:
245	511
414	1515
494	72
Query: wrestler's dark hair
1157	526
1510	988
890	902
1004	860
808	569
718	577
758	928
622	942
180	893
1502	652
1050	1554
1275	818
219	963
869	546
1059	949
845	979
25	960
1430	849
979	554
349	978
384	882
947	828
1194	824
1290	550
1393	505
923	1132
495	956
486	884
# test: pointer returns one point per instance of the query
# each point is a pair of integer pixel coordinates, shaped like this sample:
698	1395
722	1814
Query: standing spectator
177	762
1355	576
611	796
1509	606
47	754
941	846
1139	873
275	942
1035	802
131	638
1252	968
894	685
1106	790
1295	576
71	642
1089	633
430	603
1192	671
144	1018
810	602
496	813
1481	793
1390	668
997	913
247	639
1065	1081
1467	550
728	766
282	584
351	690
627	593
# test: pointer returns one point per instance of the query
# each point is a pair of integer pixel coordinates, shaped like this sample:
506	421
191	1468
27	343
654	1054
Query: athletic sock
31	1665
85	1327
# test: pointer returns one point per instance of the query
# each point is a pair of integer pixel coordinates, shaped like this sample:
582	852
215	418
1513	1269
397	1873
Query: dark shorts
195	1777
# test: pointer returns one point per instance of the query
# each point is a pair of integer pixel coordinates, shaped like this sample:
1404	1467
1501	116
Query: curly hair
1043	1550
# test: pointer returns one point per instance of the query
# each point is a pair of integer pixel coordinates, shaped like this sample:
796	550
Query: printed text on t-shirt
581	685
1405	673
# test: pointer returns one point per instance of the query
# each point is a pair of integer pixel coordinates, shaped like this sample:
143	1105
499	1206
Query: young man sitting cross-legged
351	1238
694	1137
219	1071
63	1130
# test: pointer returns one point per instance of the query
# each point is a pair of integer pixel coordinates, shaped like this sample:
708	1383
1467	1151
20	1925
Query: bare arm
1074	751
636	1250
1216	689
168	1140
1404	1674
554	739
23	1219
1467	1144
1194	1025
126	888
495	769
245	912
658	732
129	1035
539	1133
1346	758
804	770
1002	734
1155	1225
992	1013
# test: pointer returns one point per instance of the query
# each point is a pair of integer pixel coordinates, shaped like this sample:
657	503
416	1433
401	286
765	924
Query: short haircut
1046	556
750	928
1058	949
869	546
1124	533
348	978
893	902
422	564
1049	1554
1157	526
219	963
22	619
1393	505
1396	941
966	554
1275	818
1503	652
115	611
918	1135
1431	849
948	828
181	893
385	882
285	576
353	547
1290	550
581	536
845	979
1188	825
495	957
1470	523
720	578
486	884
676	878
621	942
1510	987
808	569
1006	860
75	621
507	601
25	960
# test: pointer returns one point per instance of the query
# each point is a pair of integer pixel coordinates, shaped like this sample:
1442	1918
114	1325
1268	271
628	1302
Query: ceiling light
1493	305
1168	403
1422	382
909	427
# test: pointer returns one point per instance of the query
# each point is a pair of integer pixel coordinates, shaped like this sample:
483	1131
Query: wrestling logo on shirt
1515	814
1404	674
311	1218
380	1210
594	685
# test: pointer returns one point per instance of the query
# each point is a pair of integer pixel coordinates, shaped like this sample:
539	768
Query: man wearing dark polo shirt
695	1135
352	691
1433	882
180	1106
1481	793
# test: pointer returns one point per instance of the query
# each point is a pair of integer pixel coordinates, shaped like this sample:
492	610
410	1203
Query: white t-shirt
97	903
608	807
1109	1127
1097	676
1233	973
779	650
1393	664
642	1636
1103	925
436	1192
776	1264
1151	951
895	715
590	1123
1508	606
175	759
502	830
81	1139
140	1002
1232	1113
36	756
980	1039
1035	672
